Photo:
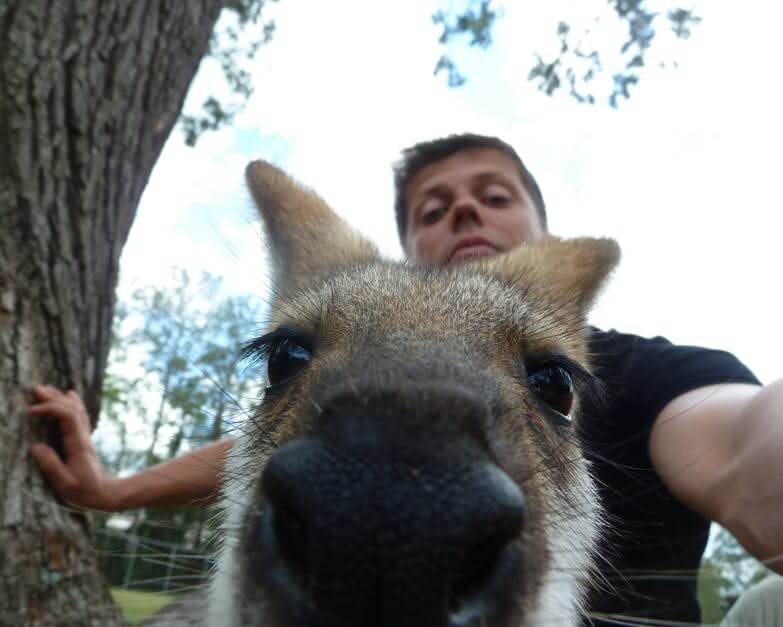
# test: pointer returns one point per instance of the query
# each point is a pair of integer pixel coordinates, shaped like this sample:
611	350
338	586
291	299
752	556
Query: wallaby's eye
286	358
285	351
553	385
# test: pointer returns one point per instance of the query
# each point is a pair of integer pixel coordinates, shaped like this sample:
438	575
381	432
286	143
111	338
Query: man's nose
465	211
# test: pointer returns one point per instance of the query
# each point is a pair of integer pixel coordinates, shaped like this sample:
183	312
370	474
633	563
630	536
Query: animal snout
377	519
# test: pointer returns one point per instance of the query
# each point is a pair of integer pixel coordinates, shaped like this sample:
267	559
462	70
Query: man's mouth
471	247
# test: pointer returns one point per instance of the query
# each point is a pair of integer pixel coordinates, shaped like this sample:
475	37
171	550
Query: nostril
488	561
292	540
473	580
288	517
474	572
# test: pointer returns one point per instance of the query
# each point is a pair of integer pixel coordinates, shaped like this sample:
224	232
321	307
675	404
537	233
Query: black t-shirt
654	543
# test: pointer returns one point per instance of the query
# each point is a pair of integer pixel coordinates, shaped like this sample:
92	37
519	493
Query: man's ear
306	238
564	274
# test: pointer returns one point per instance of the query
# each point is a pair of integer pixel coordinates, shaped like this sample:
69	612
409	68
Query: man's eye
553	386
496	200
431	216
286	358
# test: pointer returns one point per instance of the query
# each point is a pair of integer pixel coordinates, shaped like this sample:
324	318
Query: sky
685	175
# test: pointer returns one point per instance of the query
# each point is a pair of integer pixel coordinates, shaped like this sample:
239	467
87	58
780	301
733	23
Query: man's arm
81	480
719	449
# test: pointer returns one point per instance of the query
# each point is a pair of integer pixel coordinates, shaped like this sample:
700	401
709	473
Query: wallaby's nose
374	522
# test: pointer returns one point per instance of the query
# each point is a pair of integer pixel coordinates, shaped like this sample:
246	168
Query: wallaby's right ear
306	238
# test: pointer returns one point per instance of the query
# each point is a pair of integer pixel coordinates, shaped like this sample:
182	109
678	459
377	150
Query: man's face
469	204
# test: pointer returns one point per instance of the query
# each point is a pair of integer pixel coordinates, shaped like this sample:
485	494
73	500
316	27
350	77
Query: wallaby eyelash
589	387
259	349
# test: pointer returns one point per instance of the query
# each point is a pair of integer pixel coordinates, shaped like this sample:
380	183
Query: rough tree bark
89	91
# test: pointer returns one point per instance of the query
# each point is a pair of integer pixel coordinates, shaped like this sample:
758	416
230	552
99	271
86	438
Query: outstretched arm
81	480
719	449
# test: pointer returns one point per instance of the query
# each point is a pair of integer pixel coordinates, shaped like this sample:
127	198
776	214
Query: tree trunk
89	91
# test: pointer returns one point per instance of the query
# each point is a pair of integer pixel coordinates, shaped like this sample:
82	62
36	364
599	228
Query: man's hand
80	480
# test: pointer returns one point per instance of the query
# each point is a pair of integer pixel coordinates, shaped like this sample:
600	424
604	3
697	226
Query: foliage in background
726	572
233	47
137	606
578	62
186	340
475	22
576	65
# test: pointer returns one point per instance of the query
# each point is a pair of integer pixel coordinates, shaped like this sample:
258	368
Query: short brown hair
420	155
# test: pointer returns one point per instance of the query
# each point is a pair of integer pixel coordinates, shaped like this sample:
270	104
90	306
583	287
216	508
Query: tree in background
121	397
187	341
191	337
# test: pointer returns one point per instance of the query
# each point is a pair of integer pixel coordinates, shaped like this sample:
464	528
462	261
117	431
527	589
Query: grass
137	605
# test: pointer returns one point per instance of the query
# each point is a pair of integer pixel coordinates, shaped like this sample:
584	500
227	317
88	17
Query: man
688	434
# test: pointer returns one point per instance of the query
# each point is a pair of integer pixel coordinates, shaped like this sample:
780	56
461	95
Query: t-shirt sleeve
642	375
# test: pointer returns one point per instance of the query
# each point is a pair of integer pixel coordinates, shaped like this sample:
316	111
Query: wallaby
415	459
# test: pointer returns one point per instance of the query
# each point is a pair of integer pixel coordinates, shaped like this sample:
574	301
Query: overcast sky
685	175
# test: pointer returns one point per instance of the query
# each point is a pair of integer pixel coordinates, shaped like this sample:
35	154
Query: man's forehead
471	163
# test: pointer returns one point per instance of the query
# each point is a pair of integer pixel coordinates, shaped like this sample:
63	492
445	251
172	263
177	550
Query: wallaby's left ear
306	238
566	273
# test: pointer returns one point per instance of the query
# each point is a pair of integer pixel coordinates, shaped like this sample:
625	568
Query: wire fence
154	555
